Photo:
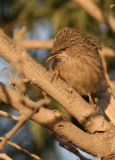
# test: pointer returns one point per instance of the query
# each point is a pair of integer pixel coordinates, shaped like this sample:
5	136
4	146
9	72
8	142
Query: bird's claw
55	74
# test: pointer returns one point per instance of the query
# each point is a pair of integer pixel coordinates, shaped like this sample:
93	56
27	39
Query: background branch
4	156
99	14
70	147
35	44
19	85
47	44
9	115
21	149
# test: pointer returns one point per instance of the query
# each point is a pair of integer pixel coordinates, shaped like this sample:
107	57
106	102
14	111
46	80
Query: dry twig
21	149
23	118
18	33
21	89
4	156
9	115
112	5
63	143
99	15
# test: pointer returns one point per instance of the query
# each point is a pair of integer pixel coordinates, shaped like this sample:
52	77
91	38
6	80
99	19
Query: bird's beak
50	56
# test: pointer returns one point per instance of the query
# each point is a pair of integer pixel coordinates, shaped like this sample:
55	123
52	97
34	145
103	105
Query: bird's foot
55	74
91	101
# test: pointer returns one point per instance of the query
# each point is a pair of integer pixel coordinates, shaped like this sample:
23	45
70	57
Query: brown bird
77	60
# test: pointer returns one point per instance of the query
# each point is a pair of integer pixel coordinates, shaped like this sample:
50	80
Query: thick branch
53	120
97	13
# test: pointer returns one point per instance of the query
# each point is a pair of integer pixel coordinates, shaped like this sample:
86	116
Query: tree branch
108	52
54	121
9	115
4	156
21	149
99	14
47	44
30	44
70	147
112	5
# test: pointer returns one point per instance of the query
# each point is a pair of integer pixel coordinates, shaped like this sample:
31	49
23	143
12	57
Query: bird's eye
63	49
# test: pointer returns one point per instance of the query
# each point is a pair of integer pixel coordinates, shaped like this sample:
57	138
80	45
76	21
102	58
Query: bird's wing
90	43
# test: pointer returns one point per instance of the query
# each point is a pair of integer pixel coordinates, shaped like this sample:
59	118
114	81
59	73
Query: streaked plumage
76	58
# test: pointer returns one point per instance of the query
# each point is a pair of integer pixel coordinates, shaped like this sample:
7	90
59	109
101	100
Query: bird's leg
55	74
90	99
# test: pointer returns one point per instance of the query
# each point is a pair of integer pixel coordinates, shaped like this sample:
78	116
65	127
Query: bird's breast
82	75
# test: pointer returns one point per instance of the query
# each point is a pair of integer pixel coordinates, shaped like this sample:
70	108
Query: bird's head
64	39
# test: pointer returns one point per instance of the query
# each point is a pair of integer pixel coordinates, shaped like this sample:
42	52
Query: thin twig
22	149
4	156
21	89
99	14
39	103
108	52
23	119
9	115
19	32
63	143
13	81
106	74
70	147
111	84
10	74
112	5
